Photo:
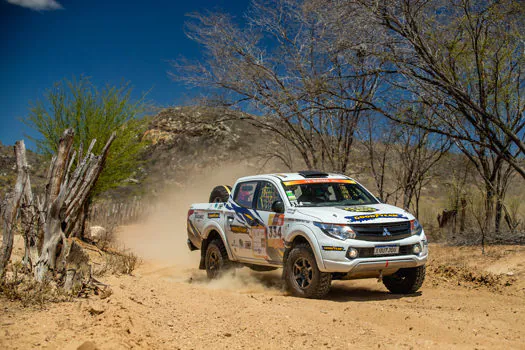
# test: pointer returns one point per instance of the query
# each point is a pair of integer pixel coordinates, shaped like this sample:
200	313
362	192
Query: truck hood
356	214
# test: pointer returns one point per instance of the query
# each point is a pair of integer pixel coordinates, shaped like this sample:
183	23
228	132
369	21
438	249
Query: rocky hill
187	141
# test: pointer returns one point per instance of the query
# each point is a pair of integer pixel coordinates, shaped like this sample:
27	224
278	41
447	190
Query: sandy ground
171	306
468	301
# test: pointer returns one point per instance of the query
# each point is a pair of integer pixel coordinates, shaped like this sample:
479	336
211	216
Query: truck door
269	238
242	222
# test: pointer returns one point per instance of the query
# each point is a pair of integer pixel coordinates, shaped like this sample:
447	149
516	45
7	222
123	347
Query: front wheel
216	259
302	276
405	281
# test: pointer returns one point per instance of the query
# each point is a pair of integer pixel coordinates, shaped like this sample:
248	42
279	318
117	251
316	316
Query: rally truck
316	226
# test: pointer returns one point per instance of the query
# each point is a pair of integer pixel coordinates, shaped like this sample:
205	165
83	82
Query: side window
267	195
244	194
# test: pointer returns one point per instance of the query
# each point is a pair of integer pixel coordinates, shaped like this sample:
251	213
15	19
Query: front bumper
338	261
374	266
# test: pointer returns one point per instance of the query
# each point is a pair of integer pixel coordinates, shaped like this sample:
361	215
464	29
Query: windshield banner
317	181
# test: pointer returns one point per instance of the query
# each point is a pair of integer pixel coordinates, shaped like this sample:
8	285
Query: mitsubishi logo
386	232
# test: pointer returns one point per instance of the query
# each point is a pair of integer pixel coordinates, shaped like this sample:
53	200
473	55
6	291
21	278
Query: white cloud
37	5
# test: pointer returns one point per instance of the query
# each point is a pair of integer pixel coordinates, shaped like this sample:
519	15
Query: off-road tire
216	259
319	282
405	281
220	194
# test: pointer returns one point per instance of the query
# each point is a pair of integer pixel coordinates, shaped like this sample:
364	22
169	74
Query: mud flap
288	248
204	247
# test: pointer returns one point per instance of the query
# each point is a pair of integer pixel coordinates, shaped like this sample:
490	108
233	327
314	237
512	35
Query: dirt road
167	306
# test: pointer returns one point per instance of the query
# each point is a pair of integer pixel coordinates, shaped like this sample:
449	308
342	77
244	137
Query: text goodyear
359	218
331	248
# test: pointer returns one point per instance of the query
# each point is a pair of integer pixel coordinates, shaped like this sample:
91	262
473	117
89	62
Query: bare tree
463	59
401	159
299	63
379	138
418	151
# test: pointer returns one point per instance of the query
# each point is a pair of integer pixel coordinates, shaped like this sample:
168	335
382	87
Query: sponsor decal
291	195
214	215
259	241
368	217
198	216
317	181
297	220
361	209
275	231
276	220
239	229
332	248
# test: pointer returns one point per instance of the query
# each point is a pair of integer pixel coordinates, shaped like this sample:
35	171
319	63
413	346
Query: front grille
369	252
376	232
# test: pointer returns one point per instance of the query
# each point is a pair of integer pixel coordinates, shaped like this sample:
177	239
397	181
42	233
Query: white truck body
380	238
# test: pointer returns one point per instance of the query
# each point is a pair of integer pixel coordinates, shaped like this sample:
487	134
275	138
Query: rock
95	312
88	345
78	268
96	233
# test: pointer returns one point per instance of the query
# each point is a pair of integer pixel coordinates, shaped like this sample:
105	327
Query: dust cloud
160	238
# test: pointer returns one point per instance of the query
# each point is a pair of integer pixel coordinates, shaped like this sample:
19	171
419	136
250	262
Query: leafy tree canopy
94	113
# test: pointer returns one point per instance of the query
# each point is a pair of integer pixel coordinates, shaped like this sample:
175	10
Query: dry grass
19	286
119	262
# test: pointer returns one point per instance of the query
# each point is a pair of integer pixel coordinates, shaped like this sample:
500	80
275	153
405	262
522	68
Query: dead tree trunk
29	215
11	207
53	206
67	193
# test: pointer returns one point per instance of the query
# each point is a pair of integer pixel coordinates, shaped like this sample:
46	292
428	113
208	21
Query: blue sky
109	41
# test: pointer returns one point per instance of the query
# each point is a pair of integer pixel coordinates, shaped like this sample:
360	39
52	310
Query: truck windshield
314	193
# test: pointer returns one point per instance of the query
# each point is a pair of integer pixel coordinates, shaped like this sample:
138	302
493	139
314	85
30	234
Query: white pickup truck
316	226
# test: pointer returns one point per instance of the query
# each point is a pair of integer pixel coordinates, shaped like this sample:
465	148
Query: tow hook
380	278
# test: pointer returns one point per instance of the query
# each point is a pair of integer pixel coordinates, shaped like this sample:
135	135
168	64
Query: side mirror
278	207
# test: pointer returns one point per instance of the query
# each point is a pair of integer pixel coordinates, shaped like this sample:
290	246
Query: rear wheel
220	194
405	281
216	260
302	276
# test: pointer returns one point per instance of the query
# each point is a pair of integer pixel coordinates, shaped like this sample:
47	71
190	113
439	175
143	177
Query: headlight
415	227
342	232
